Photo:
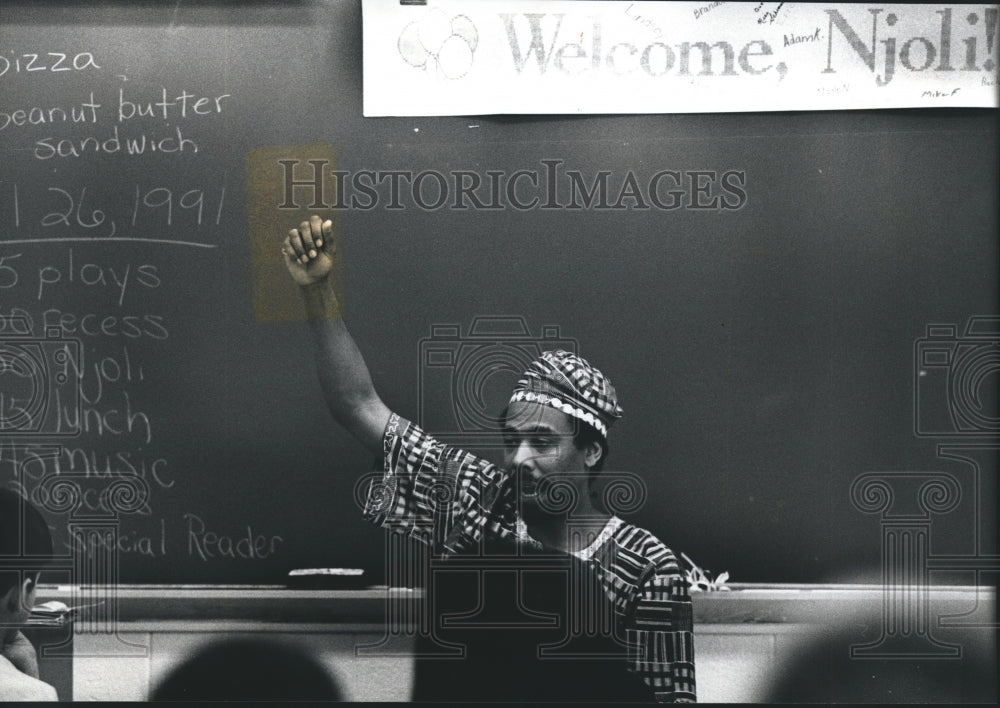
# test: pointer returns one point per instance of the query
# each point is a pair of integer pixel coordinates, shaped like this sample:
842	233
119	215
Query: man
25	542
555	440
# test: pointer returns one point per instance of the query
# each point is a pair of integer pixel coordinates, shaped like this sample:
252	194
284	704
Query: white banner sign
456	57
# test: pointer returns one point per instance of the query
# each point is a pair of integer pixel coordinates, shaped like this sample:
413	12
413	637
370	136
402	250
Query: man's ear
593	454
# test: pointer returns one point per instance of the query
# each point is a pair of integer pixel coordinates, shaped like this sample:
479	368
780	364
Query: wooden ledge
741	604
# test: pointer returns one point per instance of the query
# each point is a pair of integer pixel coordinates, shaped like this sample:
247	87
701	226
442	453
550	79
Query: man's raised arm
343	374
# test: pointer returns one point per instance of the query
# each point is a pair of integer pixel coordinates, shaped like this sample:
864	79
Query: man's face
538	442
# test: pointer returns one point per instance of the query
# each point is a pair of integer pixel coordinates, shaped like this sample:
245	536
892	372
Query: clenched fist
309	251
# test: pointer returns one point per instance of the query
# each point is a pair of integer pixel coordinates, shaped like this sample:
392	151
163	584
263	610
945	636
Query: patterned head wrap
570	384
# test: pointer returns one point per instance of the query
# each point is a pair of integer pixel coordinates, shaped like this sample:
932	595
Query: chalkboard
767	333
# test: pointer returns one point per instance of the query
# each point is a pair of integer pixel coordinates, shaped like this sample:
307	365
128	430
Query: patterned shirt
451	500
